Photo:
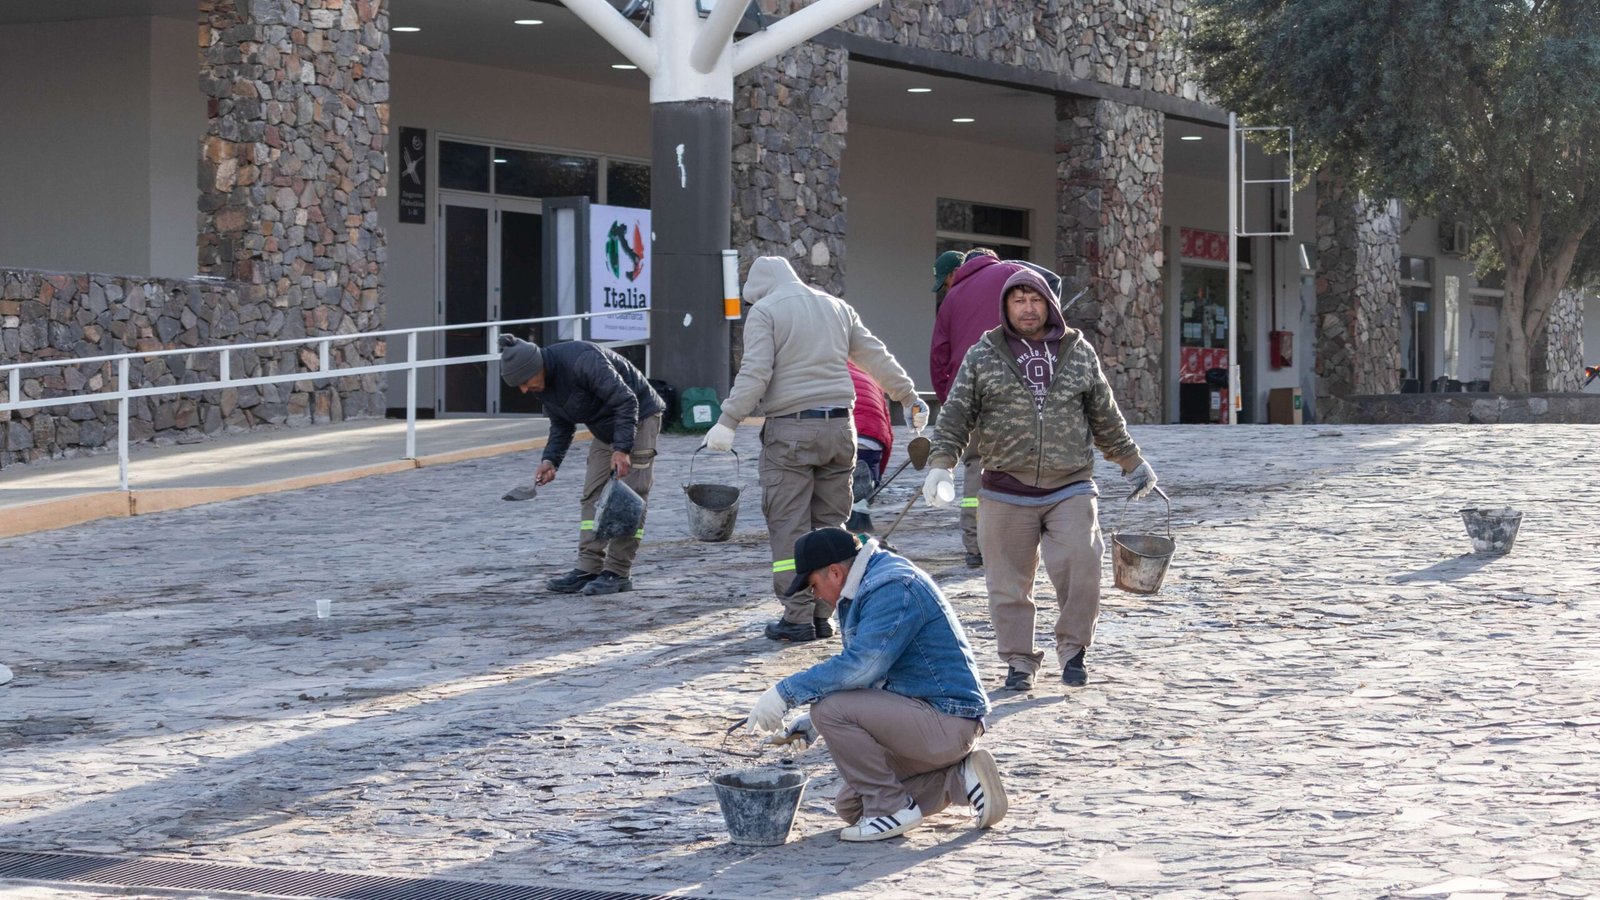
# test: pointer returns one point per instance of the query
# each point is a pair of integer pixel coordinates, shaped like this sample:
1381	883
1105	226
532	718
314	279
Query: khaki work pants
616	556
971	481
806	468
1067	536
889	747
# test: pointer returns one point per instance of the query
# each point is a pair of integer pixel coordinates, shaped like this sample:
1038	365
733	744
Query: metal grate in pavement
272	882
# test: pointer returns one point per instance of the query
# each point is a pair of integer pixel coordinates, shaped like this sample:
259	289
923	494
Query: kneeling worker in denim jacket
901	707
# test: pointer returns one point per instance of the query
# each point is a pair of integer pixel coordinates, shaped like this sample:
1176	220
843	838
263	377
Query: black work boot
572	582
1018	680
1073	674
608	583
823	626
790	632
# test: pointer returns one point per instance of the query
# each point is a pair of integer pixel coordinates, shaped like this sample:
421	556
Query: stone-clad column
788	141
1109	165
1557	358
1358	293
291	169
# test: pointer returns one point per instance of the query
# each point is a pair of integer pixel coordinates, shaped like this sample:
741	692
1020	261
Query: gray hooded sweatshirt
796	342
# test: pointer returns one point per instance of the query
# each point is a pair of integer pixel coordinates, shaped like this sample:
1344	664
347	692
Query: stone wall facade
46	315
1118	43
293	163
1358	294
1557	358
1109	163
789	124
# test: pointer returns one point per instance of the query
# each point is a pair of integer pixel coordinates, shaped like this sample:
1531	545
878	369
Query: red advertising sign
1207	245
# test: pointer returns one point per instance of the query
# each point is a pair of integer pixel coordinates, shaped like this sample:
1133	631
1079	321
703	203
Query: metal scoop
917	451
522	492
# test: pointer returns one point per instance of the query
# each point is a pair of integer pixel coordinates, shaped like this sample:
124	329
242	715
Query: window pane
526	173
628	184
1000	220
954	215
463	167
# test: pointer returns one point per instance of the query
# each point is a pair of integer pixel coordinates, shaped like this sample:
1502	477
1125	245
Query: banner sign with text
619	272
414	176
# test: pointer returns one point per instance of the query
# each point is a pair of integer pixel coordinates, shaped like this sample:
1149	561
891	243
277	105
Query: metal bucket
712	507
1139	561
759	804
1492	530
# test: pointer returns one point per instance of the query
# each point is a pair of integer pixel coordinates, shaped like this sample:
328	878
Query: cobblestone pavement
1330	697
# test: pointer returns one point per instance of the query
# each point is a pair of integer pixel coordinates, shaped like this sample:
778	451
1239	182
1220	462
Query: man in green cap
944	267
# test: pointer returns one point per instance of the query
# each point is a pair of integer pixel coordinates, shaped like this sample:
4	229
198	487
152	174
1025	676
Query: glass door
491	268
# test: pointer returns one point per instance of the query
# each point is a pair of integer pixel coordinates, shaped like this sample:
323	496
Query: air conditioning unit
1453	238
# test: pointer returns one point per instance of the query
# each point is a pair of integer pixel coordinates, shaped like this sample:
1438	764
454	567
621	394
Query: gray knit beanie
519	360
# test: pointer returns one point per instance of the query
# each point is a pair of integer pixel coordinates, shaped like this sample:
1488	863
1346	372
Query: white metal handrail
225	380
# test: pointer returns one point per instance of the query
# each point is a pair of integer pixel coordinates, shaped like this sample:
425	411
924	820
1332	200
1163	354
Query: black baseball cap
820	549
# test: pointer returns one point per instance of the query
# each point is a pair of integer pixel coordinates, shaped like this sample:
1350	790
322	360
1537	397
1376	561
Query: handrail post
322	355
122	423
223	371
16	386
411	396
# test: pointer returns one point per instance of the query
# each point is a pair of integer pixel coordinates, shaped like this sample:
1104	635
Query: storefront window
529	173
463	167
628	184
963	225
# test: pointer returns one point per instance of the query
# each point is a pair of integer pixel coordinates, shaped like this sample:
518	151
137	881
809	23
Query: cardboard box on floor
1283	406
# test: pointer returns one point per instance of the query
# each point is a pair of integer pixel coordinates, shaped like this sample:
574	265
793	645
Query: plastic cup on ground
324	606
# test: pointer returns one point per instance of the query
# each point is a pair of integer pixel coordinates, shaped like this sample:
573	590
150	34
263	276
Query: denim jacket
900	635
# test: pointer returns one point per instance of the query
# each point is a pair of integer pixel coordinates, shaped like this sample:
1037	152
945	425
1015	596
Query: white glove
800	731
916	413
1143	480
719	438
767	715
940	488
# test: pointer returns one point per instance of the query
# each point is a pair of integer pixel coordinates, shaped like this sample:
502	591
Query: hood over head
768	274
1056	323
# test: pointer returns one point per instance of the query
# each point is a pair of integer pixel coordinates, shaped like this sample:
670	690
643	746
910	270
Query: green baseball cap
948	262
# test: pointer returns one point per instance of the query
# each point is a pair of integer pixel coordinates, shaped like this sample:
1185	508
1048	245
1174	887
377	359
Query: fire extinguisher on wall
1282	344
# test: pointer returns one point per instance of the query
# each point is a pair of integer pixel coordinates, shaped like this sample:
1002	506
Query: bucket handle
737	464
1124	513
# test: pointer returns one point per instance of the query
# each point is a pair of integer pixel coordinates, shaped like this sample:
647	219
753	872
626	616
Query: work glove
800	731
719	438
940	488
916	413
1143	480
767	715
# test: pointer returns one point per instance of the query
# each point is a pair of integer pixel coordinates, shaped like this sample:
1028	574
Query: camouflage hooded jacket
1046	443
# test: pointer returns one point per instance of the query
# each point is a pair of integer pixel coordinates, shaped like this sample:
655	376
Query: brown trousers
889	747
616	556
806	467
1067	536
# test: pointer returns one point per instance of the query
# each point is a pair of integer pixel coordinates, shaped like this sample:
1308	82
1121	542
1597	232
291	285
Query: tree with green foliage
1482	111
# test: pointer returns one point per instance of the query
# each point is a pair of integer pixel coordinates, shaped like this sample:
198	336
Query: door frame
494	205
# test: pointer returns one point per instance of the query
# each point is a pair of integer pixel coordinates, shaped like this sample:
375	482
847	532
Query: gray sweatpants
889	747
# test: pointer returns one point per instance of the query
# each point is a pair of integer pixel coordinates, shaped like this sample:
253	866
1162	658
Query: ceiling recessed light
919	90
624	67
963	120
405	28
528	22
1191	137
499	160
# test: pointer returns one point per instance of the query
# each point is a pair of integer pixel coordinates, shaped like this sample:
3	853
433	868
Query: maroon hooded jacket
971	307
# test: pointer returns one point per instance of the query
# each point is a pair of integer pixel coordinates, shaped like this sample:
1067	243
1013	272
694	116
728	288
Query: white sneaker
985	793
879	827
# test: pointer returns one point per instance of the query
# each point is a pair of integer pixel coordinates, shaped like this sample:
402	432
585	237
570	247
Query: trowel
917	451
522	492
